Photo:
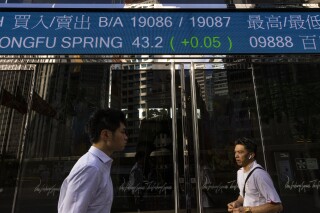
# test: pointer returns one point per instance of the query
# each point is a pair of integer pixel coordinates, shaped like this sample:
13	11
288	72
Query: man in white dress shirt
88	187
257	192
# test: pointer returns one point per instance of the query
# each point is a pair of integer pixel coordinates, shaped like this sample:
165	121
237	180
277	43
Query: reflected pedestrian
137	178
257	192
88	187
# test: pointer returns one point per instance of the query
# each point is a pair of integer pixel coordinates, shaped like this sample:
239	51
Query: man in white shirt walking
257	192
88	187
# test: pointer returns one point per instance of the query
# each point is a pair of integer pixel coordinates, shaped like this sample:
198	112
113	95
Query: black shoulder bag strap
245	182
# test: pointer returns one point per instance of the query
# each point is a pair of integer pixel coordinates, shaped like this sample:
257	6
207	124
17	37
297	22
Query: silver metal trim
185	143
110	86
259	118
174	138
195	136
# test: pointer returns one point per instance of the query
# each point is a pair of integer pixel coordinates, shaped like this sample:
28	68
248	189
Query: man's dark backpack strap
245	182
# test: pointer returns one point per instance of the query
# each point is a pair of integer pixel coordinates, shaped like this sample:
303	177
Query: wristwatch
247	210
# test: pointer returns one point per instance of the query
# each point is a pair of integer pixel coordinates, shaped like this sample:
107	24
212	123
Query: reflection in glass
65	94
288	100
147	183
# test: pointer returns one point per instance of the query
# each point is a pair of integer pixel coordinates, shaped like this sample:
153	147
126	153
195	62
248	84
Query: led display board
171	32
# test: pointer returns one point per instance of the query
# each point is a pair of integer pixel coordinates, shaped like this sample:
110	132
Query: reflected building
14	89
200	76
145	92
220	85
63	96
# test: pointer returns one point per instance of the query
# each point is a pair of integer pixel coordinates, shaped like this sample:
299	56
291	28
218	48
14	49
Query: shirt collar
100	154
253	164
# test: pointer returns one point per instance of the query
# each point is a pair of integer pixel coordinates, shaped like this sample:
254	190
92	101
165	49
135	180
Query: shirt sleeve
266	188
82	186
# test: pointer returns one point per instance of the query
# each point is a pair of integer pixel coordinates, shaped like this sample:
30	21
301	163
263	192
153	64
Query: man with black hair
88	187
257	192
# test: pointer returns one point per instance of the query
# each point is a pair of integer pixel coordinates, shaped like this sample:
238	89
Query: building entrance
183	116
184	111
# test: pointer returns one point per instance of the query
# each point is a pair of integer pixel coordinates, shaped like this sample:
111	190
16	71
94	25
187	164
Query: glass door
224	108
274	104
155	174
143	175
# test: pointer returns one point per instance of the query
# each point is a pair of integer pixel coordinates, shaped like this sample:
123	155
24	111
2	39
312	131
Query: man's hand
233	205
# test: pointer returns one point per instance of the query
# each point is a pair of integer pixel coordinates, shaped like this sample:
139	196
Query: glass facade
183	118
44	109
274	104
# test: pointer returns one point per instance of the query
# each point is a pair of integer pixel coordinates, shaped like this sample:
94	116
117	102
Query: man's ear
105	134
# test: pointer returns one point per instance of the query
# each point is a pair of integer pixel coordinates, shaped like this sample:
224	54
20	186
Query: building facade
183	117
